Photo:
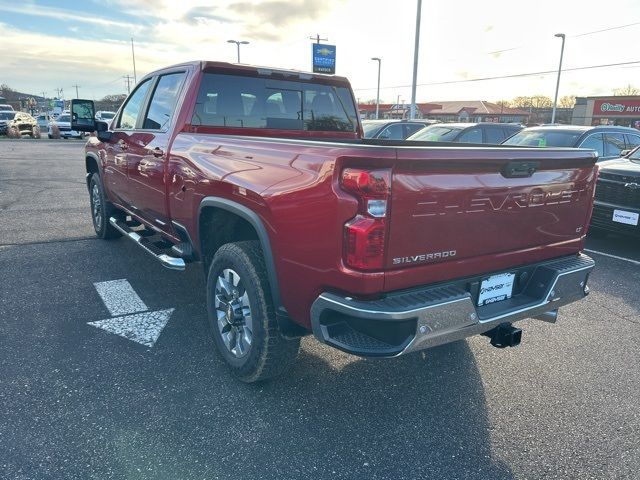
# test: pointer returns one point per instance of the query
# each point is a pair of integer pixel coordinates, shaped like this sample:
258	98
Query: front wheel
101	210
242	317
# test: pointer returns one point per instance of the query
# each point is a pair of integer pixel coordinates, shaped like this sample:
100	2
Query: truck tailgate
458	206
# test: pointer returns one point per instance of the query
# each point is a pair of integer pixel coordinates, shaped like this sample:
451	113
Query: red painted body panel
292	184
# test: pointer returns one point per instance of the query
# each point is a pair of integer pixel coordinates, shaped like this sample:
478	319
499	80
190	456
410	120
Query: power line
606	29
76	87
515	75
618	27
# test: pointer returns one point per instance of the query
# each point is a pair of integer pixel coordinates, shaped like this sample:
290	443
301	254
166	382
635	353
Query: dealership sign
324	58
613	106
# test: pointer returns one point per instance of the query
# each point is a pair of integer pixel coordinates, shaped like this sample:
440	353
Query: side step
147	245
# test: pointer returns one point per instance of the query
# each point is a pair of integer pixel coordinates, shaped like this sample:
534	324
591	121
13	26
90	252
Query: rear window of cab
253	102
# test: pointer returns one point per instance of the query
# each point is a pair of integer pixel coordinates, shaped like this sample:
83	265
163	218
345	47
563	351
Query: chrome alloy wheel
96	205
233	311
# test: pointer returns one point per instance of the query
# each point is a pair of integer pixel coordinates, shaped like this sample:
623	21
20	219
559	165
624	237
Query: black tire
268	353
101	210
50	137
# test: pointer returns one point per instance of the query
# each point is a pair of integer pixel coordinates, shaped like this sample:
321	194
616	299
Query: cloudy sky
50	44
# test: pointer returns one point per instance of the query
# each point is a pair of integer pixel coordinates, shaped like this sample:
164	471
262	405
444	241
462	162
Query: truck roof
258	70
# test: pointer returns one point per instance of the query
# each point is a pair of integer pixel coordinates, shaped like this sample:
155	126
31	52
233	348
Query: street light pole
412	114
555	100
238	43
378	91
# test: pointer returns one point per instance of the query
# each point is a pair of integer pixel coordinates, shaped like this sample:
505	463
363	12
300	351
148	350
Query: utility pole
376	59
133	54
555	100
318	39
77	87
128	78
412	114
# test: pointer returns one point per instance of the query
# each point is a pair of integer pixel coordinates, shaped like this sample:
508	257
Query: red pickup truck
380	248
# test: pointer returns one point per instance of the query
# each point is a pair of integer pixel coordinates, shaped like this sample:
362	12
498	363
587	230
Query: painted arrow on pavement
132	320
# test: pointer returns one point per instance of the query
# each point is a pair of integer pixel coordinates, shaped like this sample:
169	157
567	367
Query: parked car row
608	141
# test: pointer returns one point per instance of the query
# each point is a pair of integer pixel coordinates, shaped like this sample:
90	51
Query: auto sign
324	58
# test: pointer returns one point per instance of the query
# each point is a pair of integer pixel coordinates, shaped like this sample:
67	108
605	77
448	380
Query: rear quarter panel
291	186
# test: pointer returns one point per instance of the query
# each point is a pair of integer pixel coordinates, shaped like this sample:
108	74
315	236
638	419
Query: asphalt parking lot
79	402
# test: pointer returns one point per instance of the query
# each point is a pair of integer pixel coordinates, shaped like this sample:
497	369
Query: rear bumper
422	318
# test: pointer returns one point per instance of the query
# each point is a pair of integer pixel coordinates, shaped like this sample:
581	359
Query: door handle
158	152
122	144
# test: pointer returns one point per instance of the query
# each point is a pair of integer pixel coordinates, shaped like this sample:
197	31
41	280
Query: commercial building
622	111
450	111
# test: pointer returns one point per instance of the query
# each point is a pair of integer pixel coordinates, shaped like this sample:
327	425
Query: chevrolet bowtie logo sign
323	58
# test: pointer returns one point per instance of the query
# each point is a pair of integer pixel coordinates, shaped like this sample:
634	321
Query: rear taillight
365	234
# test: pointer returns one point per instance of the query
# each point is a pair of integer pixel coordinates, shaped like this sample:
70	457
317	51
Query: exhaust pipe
551	316
504	335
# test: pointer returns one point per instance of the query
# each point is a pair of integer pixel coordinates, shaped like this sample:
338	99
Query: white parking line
635	262
132	320
143	328
120	297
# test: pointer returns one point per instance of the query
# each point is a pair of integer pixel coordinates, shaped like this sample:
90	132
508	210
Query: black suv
609	142
490	133
617	203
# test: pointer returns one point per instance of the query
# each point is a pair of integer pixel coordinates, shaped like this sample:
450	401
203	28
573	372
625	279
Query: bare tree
541	101
503	103
625	91
521	102
568	101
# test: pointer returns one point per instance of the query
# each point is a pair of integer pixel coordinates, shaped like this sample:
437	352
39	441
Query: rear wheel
101	210
242	317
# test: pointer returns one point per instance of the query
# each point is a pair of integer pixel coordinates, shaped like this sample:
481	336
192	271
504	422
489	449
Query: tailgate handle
519	169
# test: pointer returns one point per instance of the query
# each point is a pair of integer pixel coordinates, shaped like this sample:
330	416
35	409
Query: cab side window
411	128
163	102
473	135
613	144
495	135
594	142
632	140
392	132
131	110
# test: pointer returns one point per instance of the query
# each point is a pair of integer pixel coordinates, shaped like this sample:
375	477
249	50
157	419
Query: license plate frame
496	288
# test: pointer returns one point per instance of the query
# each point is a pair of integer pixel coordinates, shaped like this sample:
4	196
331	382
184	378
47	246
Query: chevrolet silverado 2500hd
379	248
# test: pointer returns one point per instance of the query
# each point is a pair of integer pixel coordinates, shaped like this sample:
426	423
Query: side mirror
83	116
624	153
102	131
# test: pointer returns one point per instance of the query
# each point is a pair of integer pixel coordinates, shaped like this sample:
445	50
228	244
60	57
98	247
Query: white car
6	107
105	116
63	124
43	120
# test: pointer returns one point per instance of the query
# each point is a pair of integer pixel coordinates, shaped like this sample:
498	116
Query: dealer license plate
630	218
496	288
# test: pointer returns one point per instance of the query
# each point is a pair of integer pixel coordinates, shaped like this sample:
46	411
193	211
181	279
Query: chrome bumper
414	320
